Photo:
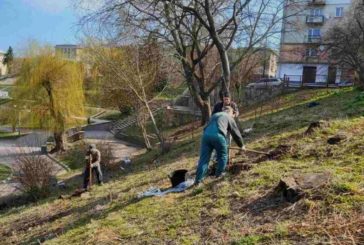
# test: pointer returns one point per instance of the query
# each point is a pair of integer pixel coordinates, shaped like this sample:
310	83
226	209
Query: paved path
31	143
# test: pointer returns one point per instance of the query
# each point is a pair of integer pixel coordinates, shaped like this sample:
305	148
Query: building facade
69	51
3	68
303	57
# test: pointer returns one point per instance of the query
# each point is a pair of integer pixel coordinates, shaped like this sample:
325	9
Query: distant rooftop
68	46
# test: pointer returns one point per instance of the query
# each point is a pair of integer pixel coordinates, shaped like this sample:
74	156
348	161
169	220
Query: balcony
313	39
312	59
312	19
316	2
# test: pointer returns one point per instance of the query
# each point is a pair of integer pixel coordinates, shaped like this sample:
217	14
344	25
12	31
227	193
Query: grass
5	172
10	135
236	210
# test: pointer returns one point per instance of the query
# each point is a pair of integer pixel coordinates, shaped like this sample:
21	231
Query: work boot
221	176
197	184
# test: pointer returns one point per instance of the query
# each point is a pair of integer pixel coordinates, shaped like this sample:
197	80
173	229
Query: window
314	32
311	52
339	12
316	12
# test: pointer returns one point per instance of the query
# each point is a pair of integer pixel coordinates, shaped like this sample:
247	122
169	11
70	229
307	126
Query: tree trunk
360	77
145	136
202	102
205	112
156	129
141	123
58	138
225	68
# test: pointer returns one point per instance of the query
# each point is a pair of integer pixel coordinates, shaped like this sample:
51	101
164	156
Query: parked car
266	82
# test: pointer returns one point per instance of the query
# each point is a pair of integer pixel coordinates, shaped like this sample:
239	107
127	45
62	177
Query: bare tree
132	69
346	41
192	30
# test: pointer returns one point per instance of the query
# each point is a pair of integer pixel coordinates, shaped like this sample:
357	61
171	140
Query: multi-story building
3	68
303	56
69	51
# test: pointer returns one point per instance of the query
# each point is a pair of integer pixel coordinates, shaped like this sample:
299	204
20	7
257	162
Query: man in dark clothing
226	101
93	156
214	138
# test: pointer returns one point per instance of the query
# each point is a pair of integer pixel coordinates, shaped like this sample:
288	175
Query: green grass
236	210
5	172
10	135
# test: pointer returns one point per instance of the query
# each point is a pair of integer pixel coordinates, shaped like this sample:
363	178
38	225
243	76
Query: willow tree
53	89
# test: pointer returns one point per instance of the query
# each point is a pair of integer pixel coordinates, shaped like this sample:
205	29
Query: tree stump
314	125
337	139
293	188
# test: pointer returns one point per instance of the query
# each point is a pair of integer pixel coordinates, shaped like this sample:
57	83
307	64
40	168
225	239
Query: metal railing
321	81
315	19
313	39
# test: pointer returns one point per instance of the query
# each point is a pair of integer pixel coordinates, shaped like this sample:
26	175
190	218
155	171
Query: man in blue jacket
214	138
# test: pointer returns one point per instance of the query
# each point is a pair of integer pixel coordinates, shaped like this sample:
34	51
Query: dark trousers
86	175
209	143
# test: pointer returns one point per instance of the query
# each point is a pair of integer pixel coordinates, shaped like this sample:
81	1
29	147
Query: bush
34	174
107	156
75	157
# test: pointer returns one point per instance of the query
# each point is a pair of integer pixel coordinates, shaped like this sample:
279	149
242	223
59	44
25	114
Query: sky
47	21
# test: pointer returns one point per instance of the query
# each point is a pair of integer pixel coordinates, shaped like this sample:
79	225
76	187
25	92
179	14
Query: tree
52	88
8	59
345	42
132	71
192	30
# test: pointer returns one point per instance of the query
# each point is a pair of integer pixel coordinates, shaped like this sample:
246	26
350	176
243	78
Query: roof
68	46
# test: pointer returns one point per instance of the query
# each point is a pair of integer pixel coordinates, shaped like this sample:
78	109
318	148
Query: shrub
34	174
107	156
74	157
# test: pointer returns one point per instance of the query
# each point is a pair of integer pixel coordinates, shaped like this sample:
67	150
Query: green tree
53	90
8	58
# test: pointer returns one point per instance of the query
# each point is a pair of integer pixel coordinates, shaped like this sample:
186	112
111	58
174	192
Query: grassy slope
235	210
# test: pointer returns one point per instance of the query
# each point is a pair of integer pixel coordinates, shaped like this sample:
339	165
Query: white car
266	82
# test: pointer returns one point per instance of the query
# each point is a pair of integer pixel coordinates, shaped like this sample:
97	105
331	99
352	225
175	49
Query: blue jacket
222	123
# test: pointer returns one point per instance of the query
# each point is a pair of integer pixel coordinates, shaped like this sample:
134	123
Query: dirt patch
238	167
275	154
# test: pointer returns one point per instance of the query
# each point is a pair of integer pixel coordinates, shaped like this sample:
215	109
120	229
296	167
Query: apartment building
69	51
303	56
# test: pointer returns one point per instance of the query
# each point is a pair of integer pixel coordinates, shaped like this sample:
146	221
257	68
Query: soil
275	154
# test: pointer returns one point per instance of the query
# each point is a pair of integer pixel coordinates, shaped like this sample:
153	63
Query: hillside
240	209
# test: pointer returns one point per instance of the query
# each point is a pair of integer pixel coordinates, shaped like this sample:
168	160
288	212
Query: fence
321	81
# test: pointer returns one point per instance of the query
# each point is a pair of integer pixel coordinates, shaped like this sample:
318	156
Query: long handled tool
90	172
249	150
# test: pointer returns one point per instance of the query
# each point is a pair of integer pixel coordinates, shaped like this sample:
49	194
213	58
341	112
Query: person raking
93	159
214	138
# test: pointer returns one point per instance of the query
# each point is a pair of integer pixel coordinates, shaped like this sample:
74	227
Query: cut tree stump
293	188
337	139
315	125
